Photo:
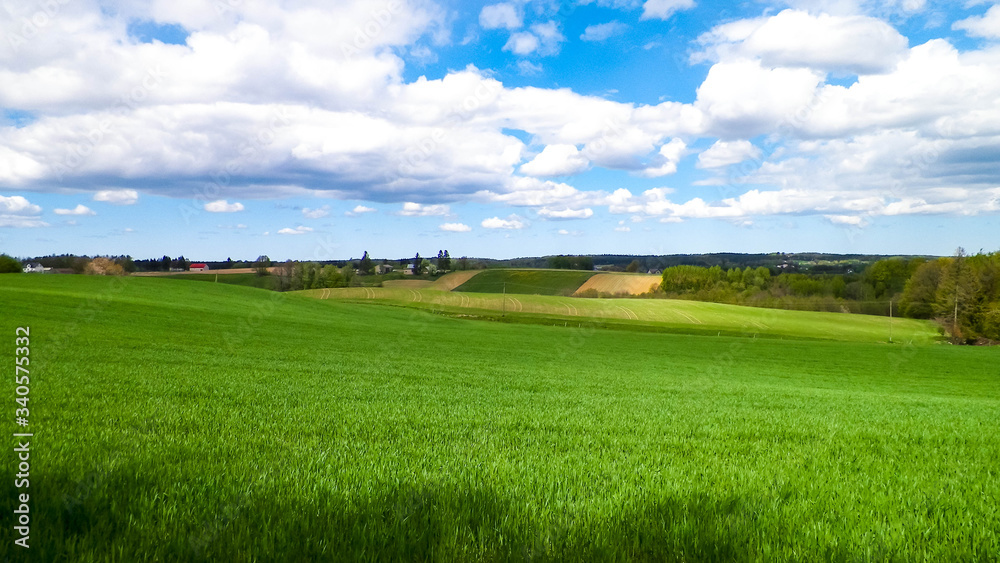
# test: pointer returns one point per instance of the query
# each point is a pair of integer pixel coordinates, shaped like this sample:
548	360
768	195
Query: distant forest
962	293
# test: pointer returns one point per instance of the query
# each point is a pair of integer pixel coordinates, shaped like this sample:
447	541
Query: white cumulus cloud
411	209
360	210
543	39
18	212
556	160
300	230
455	228
512	222
503	15
223	206
522	43
547	213
317	213
117	197
793	38
603	31
80	209
724	153
666	162
987	25
664	9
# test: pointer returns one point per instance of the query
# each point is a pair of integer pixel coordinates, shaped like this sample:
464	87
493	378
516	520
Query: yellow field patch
450	281
629	284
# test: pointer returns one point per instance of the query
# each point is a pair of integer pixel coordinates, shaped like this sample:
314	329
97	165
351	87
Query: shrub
103	267
9	265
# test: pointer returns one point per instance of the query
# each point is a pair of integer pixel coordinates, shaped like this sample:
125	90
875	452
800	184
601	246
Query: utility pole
890	321
954	321
503	304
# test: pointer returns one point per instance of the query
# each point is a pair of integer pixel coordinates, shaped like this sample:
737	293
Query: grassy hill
526	282
247	280
183	422
664	315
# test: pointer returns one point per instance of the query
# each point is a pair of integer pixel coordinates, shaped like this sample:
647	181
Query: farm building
199	267
383	269
34	268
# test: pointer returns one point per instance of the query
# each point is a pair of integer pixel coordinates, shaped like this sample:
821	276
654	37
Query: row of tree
962	292
294	276
78	264
366	266
571	262
101	265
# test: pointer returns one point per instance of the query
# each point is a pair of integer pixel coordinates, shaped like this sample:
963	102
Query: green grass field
664	315
527	282
210	422
247	280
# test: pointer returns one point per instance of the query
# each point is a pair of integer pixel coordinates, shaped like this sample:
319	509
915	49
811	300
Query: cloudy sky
218	128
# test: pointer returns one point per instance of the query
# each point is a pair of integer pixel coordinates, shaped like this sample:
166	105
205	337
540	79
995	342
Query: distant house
409	269
199	267
655	271
383	269
34	268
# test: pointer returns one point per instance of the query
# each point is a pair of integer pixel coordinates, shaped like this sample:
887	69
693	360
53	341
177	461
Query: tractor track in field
629	314
517	303
417	296
466	302
691	319
325	294
369	293
571	310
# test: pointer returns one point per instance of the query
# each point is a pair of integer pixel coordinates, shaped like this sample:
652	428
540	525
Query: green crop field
667	315
178	421
248	280
528	282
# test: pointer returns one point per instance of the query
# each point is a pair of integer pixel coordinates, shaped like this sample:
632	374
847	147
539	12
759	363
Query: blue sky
498	129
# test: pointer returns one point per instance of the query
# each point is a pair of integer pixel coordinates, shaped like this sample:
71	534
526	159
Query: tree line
293	275
962	293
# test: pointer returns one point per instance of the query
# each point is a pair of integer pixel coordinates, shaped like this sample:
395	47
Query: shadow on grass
123	516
